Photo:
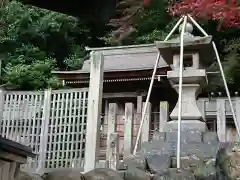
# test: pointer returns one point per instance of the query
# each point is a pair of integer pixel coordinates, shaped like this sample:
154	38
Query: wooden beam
123	94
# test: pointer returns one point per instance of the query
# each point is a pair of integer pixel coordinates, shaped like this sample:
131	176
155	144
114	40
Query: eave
74	77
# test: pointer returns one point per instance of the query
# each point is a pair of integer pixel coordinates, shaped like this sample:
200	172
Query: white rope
150	88
222	73
180	92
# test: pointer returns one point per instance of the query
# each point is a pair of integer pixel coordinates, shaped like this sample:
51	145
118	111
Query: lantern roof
192	44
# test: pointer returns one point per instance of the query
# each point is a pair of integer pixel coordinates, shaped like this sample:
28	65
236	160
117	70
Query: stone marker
102	174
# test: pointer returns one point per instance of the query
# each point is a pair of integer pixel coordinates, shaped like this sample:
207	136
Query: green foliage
153	23
34	41
232	63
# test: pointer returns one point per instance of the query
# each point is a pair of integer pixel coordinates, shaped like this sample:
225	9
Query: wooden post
112	118
163	117
128	125
105	120
146	124
237	110
139	116
44	131
113	151
94	111
221	120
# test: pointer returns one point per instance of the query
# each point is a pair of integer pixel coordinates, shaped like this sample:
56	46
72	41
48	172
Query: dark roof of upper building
14	147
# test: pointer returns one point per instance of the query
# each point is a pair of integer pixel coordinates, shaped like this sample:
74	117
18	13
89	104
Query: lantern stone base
190	109
186	125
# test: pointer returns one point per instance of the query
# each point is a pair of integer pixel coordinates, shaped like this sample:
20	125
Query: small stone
174	174
159	136
64	174
102	174
157	163
133	173
137	161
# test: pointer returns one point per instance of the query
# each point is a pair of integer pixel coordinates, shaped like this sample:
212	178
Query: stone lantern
198	55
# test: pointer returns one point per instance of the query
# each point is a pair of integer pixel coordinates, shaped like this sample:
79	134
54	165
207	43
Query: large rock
157	163
174	174
64	174
133	173
102	174
228	162
27	176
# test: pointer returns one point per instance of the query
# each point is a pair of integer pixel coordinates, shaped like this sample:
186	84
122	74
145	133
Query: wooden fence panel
52	123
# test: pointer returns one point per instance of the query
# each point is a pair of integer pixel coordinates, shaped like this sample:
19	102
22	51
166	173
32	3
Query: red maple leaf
227	12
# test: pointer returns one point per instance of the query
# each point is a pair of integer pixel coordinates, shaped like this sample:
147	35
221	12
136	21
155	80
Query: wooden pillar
112	122
163	117
128	126
146	124
221	120
94	110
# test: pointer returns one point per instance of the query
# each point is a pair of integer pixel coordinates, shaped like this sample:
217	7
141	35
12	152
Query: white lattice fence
22	120
66	131
52	122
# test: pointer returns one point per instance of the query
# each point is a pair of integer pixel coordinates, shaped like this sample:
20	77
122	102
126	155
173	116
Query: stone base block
186	125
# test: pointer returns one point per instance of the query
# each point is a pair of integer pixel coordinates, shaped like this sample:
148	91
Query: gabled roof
124	58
